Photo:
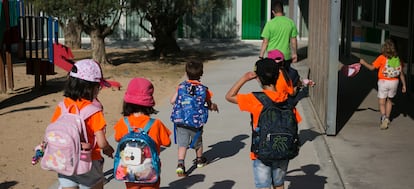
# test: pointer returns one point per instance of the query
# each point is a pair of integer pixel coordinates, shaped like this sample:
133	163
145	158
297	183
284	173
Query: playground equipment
8	36
21	25
37	37
38	33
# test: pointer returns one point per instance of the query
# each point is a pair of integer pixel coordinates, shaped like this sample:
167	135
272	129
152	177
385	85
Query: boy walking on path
390	71
267	72
191	103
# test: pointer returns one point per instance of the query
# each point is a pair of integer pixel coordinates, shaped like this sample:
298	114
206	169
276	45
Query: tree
67	20
164	16
97	18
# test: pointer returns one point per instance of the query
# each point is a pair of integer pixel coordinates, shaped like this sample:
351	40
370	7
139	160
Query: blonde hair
388	49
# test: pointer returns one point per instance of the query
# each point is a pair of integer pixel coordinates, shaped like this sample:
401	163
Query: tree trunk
72	34
98	46
165	42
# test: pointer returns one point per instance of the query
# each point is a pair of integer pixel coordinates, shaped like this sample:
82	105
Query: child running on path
187	136
137	107
267	72
390	71
81	89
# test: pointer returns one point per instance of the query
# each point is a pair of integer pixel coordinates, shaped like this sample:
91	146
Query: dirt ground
25	111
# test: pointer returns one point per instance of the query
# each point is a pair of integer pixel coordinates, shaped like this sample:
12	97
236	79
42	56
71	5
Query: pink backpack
62	142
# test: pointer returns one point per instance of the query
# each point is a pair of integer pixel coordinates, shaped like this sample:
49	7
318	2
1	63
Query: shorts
84	181
185	136
266	176
387	88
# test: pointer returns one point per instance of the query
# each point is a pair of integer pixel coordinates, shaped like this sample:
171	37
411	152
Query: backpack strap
84	113
263	98
146	128
266	101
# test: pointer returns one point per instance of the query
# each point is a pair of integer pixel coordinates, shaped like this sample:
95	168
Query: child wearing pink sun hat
137	108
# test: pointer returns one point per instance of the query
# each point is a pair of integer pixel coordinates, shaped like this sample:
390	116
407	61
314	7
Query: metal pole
334	26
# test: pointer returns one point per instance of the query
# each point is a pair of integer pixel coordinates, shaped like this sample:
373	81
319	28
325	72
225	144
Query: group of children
279	83
81	89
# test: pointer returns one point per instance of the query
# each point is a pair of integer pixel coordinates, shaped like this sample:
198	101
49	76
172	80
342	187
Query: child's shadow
223	149
309	180
307	135
185	182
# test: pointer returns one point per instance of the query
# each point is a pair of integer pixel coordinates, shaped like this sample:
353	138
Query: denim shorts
185	137
84	181
266	176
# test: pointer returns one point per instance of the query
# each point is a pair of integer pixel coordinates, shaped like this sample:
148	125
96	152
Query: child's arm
173	98
103	143
402	78
231	95
212	106
364	63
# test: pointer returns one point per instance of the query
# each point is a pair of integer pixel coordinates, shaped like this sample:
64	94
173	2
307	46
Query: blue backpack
190	108
136	158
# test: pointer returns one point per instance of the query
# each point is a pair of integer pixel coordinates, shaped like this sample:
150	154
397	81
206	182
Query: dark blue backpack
136	158
276	136
190	108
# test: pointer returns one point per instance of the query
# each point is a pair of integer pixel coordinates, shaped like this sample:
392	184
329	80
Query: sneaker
180	170
384	123
200	161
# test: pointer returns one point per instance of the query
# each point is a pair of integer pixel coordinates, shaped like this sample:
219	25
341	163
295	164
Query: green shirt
279	31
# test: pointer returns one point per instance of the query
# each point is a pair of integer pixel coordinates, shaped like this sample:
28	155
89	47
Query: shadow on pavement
223	184
225	149
309	180
185	182
307	135
26	94
352	91
7	184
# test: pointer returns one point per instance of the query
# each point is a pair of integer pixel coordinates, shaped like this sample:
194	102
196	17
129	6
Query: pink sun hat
276	55
89	70
139	92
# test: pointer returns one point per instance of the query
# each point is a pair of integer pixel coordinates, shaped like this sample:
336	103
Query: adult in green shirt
280	33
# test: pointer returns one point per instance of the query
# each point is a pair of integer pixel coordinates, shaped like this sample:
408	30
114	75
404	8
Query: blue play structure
34	35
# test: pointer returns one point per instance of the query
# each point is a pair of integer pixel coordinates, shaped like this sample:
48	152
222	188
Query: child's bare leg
280	187
381	102
199	151
99	185
388	107
182	153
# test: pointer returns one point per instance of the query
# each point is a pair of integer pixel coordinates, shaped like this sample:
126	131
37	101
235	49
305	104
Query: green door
253	18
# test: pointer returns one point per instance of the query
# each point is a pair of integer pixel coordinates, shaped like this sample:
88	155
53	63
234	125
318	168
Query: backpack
392	67
190	108
276	136
62	142
136	158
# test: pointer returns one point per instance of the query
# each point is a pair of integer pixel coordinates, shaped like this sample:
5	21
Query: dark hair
194	70
76	89
267	70
388	49
268	79
129	108
277	6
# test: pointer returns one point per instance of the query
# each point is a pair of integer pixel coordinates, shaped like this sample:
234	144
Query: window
393	12
363	10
